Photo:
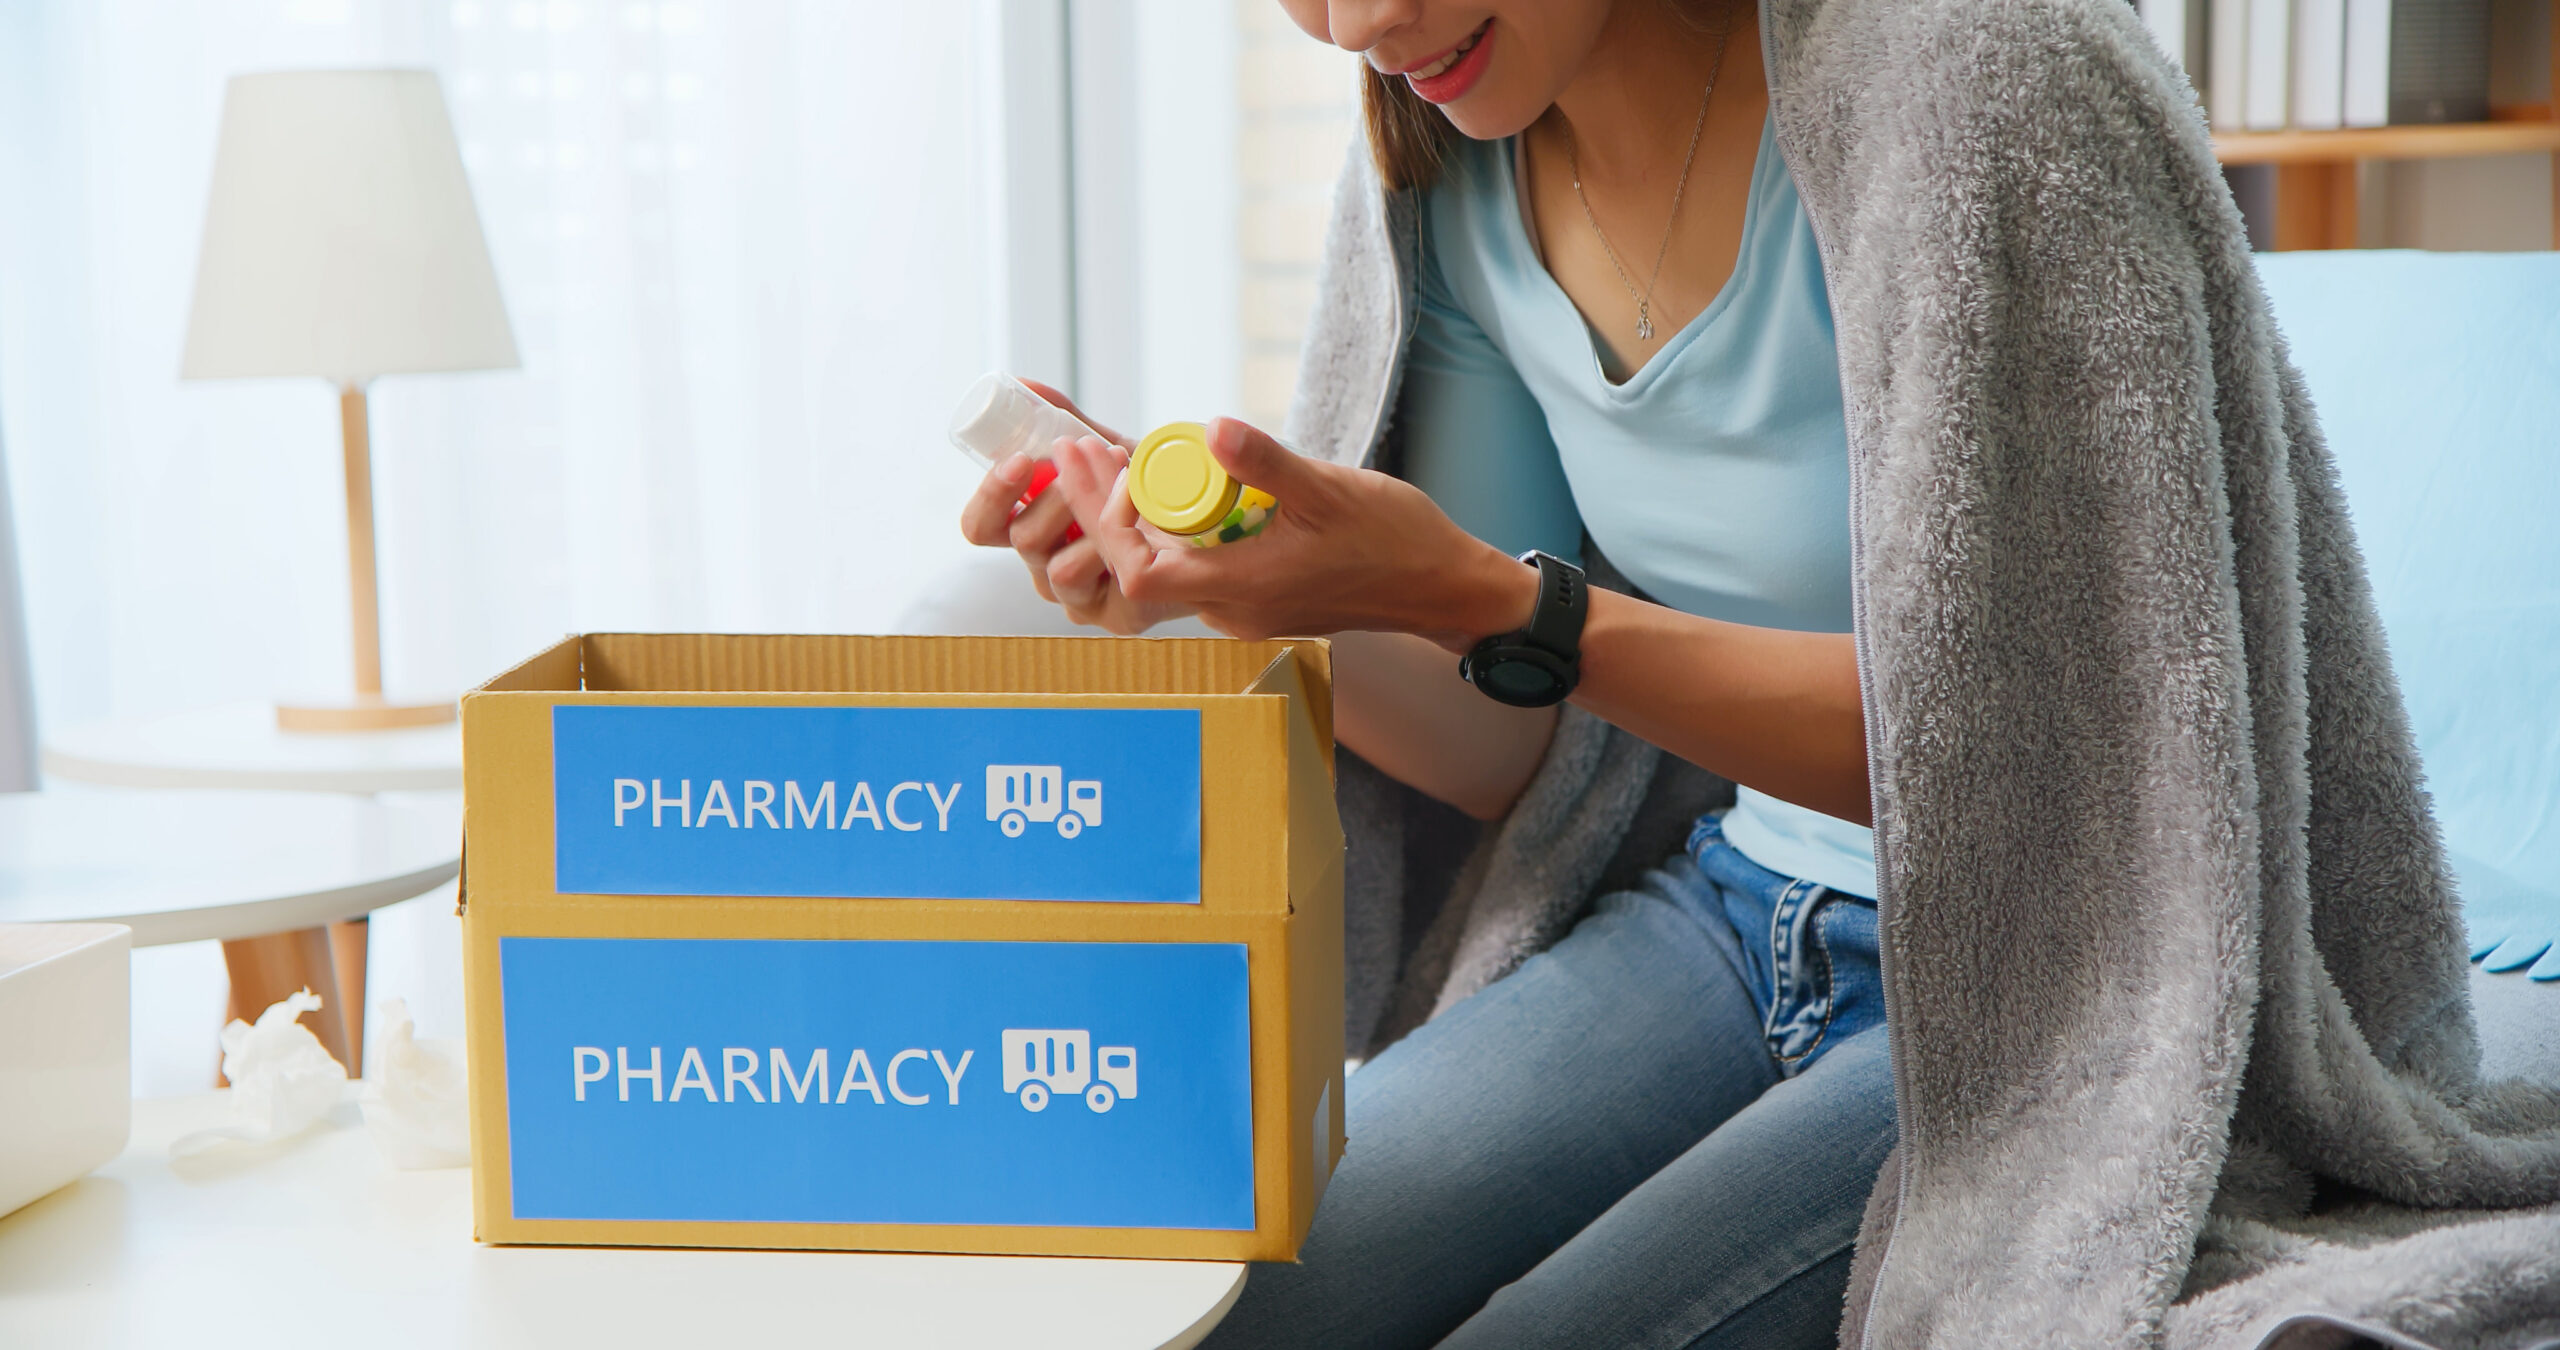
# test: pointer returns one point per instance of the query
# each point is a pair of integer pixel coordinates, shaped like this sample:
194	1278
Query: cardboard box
1021	945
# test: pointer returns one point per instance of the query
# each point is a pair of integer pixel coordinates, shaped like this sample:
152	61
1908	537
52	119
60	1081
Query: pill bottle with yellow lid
1182	489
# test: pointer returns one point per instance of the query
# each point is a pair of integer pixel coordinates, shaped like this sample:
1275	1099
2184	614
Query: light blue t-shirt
1716	477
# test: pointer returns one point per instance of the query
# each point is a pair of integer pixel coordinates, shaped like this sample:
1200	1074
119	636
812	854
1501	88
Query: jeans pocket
1829	985
1801	1000
1845	929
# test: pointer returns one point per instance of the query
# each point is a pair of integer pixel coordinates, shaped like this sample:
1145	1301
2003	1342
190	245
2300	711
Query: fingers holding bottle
1057	399
1114	532
1085	575
1341	548
986	518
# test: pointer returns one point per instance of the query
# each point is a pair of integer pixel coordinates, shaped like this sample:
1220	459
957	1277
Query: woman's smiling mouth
1448	76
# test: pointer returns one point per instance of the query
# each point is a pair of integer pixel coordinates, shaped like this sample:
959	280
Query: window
751	253
744	248
1207	138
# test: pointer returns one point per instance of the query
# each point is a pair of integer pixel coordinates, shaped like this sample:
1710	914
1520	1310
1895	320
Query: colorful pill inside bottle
1000	417
1181	489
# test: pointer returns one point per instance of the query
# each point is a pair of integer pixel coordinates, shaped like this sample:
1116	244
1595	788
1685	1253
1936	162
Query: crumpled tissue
417	1100
282	1080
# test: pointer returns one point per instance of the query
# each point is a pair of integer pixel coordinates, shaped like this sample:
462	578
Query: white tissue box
66	1049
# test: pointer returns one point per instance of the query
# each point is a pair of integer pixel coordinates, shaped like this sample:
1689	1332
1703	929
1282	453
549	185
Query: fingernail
1015	467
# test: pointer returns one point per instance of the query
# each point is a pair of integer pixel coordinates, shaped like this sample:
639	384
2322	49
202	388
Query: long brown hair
1410	139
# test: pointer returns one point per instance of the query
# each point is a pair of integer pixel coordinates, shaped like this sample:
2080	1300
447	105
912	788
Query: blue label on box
1089	1084
936	803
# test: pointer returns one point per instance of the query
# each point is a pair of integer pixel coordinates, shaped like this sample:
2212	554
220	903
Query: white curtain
745	245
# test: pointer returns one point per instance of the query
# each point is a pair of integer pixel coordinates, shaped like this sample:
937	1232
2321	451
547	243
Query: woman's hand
1067	573
1347	549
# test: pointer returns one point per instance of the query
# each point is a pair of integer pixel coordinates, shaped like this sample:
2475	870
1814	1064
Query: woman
2030	559
1667	1124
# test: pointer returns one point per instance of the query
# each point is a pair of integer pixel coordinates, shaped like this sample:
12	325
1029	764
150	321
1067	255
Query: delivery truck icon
1023	795
1037	1063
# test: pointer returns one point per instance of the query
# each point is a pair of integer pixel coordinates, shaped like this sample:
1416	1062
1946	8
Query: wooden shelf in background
2443	141
2315	171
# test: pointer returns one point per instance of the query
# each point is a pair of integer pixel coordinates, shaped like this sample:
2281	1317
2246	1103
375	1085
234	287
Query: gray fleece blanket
2175	980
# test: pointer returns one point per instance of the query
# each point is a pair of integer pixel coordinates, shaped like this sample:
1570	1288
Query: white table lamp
341	242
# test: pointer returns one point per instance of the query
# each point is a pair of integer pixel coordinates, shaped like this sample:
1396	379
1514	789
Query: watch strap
1564	598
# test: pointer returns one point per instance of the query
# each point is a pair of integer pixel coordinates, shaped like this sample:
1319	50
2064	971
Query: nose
1358	25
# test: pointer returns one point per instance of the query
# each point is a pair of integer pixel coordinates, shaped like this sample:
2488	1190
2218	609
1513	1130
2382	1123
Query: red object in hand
1043	474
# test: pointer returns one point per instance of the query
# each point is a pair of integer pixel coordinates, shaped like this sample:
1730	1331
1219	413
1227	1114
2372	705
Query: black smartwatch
1538	665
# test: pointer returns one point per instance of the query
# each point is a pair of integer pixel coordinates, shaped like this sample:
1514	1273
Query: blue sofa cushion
2437	377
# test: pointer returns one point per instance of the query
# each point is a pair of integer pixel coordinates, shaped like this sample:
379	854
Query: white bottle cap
999	417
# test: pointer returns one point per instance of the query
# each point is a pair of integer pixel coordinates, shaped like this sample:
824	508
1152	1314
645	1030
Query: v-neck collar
1524	237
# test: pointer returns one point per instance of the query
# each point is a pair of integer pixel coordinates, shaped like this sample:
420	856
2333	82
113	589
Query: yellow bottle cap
1176	483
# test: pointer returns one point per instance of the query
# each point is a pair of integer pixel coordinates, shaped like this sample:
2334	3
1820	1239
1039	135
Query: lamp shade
341	240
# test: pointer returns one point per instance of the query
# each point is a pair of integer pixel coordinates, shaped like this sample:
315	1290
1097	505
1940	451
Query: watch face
1522	676
1518	681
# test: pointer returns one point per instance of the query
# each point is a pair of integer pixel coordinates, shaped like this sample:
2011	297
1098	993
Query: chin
1493	110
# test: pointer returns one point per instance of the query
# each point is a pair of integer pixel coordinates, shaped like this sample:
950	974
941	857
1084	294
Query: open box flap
1315	827
816	663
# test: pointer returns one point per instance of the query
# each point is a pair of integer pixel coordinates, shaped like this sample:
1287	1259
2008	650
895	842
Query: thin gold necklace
1573	160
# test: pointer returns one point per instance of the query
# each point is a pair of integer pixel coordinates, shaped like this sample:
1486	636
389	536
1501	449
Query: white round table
285	879
237	745
315	1243
185	866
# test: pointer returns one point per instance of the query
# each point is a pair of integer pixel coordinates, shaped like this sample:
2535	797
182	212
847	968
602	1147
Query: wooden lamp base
364	712
368	710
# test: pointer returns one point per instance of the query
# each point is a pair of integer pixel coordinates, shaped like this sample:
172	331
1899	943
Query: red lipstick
1452	84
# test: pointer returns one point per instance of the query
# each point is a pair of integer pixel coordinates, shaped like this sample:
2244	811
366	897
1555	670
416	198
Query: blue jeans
1660	1132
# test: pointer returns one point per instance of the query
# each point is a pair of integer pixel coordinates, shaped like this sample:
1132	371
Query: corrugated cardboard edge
1313	951
1317	851
554	667
782	663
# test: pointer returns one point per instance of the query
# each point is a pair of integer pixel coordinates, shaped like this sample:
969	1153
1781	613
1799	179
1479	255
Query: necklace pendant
1644	329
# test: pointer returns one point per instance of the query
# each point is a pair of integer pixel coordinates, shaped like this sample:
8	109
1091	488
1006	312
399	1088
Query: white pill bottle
1000	417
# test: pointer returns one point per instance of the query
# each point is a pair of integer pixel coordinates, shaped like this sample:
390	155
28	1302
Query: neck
1632	104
